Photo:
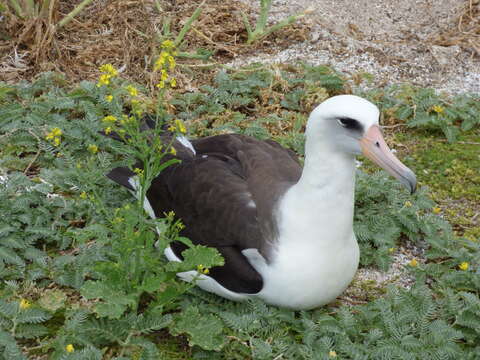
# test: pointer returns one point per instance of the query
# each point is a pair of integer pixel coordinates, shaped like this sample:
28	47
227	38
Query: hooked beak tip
374	147
411	182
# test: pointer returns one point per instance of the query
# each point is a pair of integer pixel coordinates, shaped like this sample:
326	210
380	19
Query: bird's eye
349	123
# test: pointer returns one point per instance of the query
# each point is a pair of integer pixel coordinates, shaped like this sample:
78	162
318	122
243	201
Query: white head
348	124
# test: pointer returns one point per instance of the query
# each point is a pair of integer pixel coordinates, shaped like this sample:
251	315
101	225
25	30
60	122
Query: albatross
286	233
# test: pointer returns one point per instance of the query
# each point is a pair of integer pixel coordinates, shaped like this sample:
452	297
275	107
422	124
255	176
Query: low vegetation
82	266
83	275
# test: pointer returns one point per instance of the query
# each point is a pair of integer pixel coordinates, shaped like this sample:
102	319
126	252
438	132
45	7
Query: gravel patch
388	39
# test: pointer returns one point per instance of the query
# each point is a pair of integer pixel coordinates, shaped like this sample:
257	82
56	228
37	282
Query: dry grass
124	33
466	30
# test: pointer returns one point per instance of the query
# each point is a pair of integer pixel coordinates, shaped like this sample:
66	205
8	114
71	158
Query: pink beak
376	149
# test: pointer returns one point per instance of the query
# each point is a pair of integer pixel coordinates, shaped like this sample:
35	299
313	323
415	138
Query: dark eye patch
350	124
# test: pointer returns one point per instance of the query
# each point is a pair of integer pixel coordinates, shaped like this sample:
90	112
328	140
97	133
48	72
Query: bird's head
349	124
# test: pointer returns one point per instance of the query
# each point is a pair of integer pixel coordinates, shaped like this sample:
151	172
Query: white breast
305	278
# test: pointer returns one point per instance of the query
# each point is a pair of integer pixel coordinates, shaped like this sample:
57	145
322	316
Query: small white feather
205	282
185	142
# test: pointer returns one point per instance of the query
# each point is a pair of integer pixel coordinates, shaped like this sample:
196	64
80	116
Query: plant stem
158	6
18	9
187	25
69	17
285	22
261	30
247	25
30	8
265	6
44	7
193	56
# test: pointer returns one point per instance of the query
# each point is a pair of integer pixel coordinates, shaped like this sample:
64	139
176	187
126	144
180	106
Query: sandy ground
392	40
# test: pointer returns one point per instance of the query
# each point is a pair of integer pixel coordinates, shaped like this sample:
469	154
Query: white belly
296	278
302	279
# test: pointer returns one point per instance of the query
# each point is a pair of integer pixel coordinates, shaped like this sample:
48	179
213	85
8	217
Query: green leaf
111	310
451	132
10	257
115	302
194	256
53	300
202	330
32	316
404	112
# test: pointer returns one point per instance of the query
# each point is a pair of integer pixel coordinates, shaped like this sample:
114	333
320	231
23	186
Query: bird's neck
319	208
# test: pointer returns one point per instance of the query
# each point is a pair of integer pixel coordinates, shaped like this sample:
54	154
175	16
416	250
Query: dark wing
225	196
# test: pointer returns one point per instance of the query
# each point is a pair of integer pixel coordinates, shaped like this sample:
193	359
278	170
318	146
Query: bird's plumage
226	172
286	233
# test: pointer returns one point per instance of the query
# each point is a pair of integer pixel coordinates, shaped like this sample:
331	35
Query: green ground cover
71	288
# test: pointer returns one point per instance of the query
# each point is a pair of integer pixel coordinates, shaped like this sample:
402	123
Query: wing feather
213	192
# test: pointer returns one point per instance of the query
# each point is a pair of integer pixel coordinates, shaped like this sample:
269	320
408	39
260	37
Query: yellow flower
25	304
438	109
173	151
55	132
108	69
134	102
202	269
163	74
132	90
104	79
171	62
109	98
391	250
464	266
83	195
168	44
162	58
180	126
92	148
138	171
172	128
408	204
173	82
108	130
179	226
109	119
413	263
118	220
56	141
158	64
161	85
70	348
332	353
436	210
